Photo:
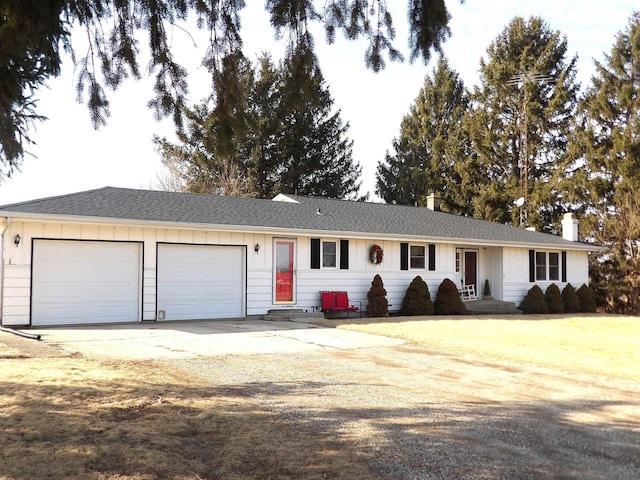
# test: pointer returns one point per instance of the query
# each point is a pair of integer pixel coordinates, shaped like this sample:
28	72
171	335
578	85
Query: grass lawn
606	345
64	416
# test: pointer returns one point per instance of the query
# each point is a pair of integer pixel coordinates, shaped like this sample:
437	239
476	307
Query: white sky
71	156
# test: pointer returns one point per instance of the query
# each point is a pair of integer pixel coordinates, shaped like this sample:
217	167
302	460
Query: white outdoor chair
468	292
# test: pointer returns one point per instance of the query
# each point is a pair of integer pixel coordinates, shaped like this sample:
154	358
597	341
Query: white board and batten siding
516	282
247	276
17	308
357	279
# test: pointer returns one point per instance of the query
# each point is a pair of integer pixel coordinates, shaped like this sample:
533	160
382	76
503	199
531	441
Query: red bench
338	302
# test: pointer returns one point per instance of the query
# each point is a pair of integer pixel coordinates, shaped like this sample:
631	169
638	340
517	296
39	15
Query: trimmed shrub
417	300
534	301
587	298
570	299
448	301
553	297
377	296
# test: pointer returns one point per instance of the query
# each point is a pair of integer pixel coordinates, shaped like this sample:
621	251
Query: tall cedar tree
432	152
291	142
32	33
605	175
520	121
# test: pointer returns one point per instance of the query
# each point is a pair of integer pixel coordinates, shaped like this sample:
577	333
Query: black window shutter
564	266
432	257
532	265
315	253
404	256
344	254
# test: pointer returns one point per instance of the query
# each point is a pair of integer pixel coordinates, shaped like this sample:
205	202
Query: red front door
284	271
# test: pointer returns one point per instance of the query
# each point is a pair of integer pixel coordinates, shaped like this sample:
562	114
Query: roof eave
290	231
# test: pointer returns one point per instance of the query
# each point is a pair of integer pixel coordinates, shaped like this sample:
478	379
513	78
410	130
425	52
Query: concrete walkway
173	340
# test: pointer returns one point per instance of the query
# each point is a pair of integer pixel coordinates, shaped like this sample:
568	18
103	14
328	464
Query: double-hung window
417	257
541	265
550	266
329	254
554	266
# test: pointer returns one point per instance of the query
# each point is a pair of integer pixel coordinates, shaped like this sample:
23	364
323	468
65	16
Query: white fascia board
21	216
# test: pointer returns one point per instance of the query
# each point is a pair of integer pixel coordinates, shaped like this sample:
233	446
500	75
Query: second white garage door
197	282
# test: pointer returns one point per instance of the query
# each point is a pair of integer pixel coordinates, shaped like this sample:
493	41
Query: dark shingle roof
302	214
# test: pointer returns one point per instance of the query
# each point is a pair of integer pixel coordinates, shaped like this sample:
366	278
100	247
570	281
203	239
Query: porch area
491	307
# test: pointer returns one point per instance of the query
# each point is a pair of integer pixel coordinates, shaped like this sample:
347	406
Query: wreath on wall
376	254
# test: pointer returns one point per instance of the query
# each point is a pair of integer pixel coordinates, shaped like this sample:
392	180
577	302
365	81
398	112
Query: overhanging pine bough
31	33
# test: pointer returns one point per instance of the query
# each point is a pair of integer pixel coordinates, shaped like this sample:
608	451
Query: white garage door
77	282
200	282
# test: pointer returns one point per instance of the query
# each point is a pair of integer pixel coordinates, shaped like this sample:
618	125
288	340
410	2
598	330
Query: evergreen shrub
553	297
534	301
570	299
417	300
377	296
587	298
448	300
486	293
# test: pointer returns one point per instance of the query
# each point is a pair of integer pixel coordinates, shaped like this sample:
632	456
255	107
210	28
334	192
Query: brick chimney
434	201
570	227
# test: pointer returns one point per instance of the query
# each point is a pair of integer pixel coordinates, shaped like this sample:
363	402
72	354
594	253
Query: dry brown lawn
72	417
67	416
600	344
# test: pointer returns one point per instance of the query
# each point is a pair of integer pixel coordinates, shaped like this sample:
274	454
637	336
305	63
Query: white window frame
424	256
556	266
539	266
336	254
548	267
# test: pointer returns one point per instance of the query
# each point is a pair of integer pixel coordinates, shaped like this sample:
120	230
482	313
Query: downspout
7	222
32	336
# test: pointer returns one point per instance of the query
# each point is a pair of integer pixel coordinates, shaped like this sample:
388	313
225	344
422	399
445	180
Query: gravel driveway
422	415
415	413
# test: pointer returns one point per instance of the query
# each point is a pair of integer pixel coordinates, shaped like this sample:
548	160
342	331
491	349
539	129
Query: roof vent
319	212
281	197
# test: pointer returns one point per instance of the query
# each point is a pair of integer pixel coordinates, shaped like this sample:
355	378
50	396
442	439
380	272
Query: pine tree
32	33
315	155
520	121
605	175
287	138
432	151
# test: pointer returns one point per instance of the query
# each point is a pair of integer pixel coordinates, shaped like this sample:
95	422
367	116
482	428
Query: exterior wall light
257	247
17	239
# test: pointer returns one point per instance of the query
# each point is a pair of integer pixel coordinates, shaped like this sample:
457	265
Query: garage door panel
77	282
200	281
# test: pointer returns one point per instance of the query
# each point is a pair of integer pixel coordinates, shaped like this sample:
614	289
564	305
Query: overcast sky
71	156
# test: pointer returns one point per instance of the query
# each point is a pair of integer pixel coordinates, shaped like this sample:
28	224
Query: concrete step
486	307
290	315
